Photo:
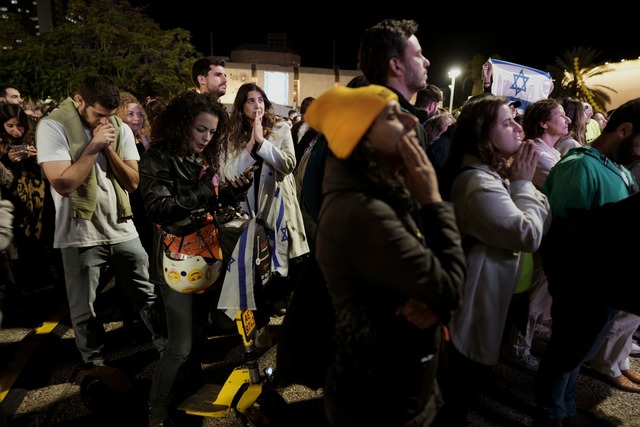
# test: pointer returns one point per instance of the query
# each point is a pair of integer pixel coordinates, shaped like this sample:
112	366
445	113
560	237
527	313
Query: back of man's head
426	96
305	104
100	89
629	112
383	41
202	66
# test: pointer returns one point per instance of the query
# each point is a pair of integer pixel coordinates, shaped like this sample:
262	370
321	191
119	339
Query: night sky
324	37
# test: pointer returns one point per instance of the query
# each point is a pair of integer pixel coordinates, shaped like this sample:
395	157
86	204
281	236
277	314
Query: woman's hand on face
524	162
419	175
257	127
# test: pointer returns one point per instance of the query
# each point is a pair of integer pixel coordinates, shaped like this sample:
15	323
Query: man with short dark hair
91	161
10	94
584	182
209	76
427	102
390	55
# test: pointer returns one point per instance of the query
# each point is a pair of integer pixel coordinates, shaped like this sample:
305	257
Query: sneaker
526	361
263	338
95	364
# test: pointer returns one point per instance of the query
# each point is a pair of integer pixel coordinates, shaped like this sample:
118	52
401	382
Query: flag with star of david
239	279
520	83
261	251
276	227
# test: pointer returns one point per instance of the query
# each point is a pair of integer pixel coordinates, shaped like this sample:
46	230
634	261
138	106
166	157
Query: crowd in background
447	234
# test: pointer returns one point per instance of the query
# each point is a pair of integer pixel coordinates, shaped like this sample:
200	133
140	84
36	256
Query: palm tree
572	69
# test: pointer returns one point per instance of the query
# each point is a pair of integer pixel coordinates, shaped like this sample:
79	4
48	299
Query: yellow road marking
27	348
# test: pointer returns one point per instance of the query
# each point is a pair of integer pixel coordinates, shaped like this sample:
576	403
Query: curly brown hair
171	127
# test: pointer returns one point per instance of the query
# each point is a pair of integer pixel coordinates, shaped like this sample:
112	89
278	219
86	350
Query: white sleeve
51	142
129	150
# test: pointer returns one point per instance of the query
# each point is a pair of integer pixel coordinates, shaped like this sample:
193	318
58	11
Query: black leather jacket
174	194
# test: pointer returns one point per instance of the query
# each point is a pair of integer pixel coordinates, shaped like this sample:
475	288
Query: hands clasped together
104	135
524	162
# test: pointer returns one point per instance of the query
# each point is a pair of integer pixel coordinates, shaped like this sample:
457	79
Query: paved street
40	377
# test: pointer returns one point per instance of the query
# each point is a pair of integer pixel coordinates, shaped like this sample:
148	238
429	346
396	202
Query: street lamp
453	74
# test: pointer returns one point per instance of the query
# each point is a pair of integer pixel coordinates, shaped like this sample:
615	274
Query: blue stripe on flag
242	271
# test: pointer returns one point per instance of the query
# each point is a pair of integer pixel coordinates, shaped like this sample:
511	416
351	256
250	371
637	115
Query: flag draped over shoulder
278	235
237	288
520	83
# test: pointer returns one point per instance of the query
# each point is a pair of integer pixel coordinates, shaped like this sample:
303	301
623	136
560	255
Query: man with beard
91	161
579	187
209	76
390	55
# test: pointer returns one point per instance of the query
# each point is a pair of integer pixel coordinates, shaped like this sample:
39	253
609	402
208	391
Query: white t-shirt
104	227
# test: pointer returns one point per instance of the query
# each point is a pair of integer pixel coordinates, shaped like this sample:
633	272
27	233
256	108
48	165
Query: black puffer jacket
173	192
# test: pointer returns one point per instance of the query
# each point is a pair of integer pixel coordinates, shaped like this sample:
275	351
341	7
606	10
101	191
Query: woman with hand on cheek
392	285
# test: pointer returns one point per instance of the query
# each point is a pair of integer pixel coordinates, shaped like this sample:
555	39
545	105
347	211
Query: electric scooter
247	393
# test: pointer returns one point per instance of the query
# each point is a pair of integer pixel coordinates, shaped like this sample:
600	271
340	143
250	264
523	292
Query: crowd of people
439	242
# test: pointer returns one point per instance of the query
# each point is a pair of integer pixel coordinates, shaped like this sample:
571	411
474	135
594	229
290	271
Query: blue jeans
580	326
82	269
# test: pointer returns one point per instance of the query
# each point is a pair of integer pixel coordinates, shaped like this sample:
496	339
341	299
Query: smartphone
251	169
19	148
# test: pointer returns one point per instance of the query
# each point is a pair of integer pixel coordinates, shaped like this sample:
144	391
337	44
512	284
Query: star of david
519	77
285	236
231	261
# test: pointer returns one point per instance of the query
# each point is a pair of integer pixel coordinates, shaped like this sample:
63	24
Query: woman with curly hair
132	113
181	188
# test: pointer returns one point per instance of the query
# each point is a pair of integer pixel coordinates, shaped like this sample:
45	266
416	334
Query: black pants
462	381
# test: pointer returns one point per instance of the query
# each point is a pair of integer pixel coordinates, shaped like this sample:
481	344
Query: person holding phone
180	183
23	185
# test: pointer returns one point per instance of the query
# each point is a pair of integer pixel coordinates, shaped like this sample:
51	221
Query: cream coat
279	158
499	221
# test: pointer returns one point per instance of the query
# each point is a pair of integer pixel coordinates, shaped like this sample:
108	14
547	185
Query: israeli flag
237	288
520	83
277	232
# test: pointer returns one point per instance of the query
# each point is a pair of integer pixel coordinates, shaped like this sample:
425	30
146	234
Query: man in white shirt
91	161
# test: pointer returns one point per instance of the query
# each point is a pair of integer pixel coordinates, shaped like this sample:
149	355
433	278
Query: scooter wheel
96	395
273	410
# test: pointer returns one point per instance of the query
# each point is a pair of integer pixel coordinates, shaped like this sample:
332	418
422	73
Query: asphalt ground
41	377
